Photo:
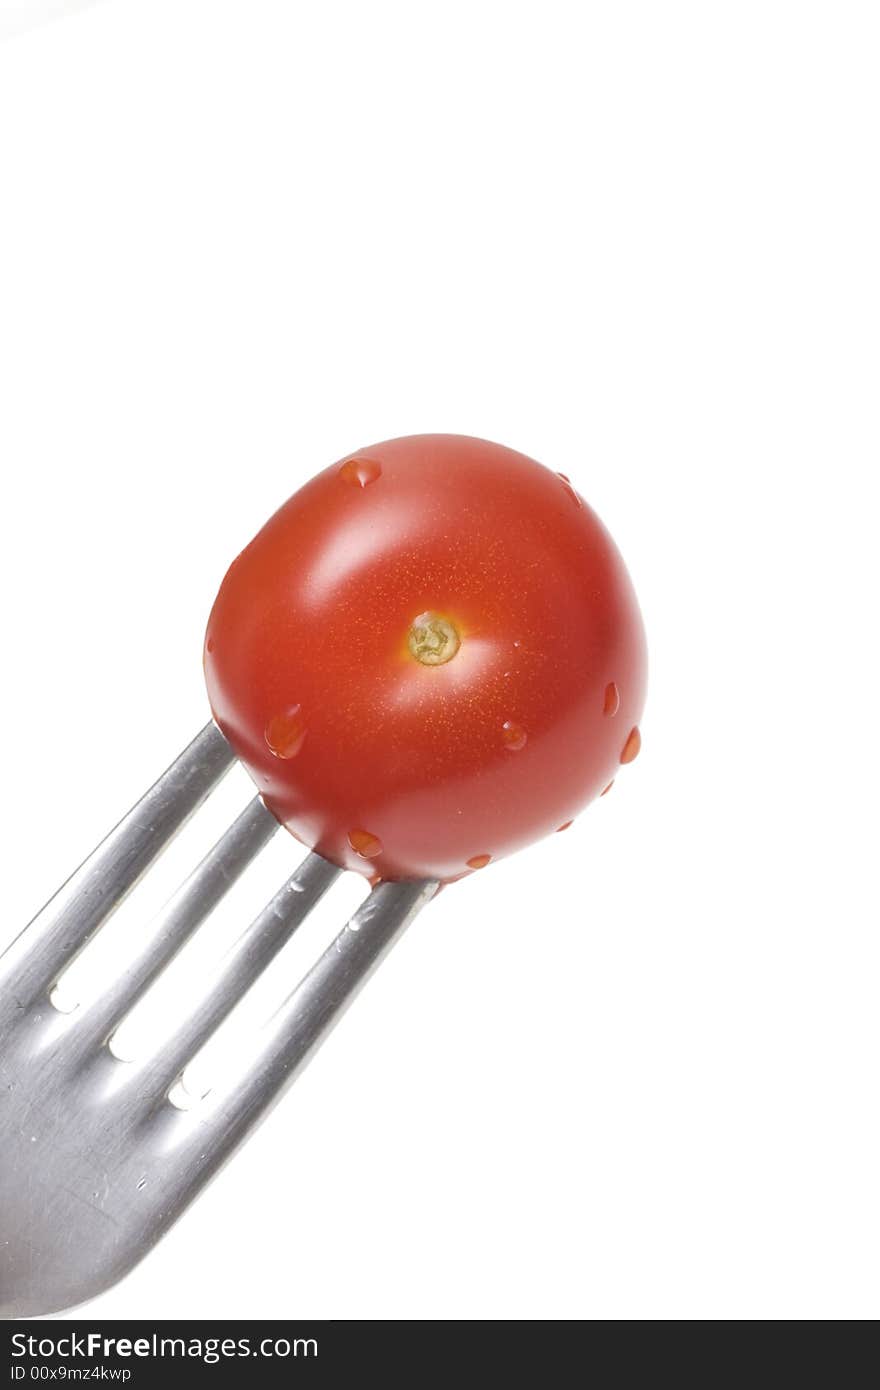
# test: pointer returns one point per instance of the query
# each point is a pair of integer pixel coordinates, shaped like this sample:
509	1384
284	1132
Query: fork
97	1162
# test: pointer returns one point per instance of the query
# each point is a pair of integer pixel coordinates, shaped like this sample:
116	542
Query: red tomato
430	656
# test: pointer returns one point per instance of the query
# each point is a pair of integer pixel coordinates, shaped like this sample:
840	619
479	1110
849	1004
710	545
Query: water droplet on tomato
365	844
479	861
360	472
285	733
606	790
566	483
612	699
560	828
209	645
632	746
514	735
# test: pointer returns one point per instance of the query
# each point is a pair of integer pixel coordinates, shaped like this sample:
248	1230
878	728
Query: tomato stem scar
432	640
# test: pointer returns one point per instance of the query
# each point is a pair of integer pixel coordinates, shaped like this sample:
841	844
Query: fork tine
99	885
245	960
180	918
228	1113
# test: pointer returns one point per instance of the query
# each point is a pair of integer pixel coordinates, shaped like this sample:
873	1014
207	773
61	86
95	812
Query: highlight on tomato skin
430	656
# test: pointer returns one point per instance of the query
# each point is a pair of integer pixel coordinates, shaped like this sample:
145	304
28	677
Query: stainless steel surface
95	1161
242	965
101	883
183	915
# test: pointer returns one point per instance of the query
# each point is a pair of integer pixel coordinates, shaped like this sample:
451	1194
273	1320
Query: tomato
430	656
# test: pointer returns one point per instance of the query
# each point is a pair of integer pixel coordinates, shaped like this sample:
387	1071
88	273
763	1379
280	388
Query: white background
631	1073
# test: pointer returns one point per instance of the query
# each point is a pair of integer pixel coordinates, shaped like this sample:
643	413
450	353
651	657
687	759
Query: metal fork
96	1162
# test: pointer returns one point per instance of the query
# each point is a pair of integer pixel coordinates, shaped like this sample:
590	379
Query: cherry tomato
430	656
